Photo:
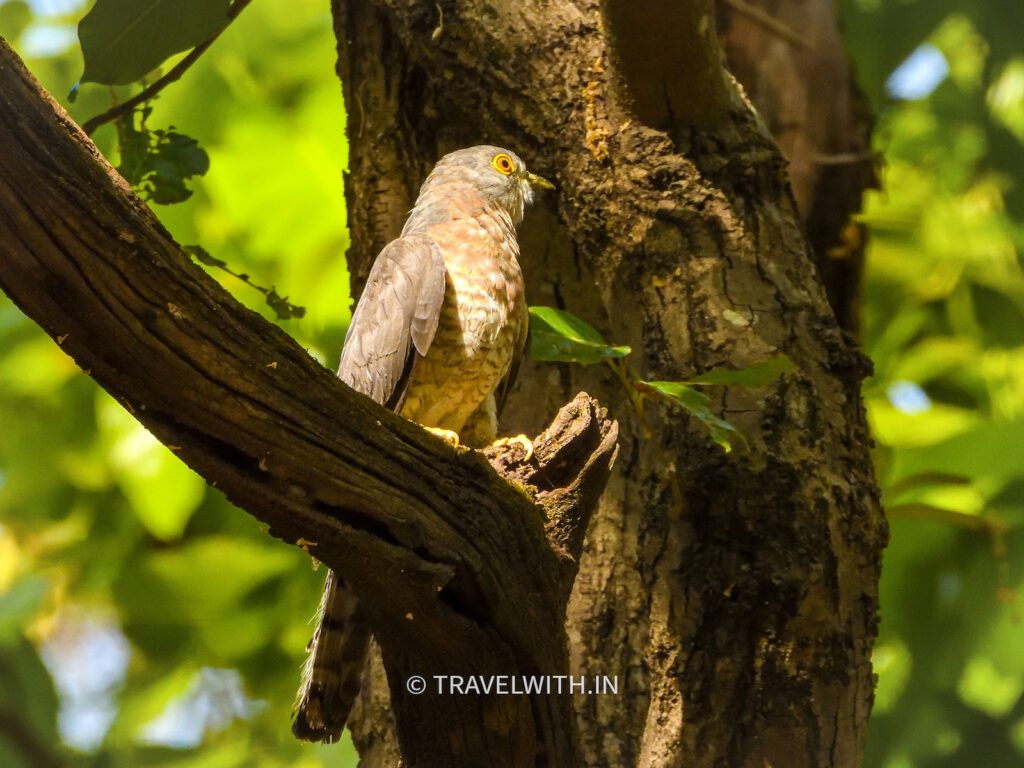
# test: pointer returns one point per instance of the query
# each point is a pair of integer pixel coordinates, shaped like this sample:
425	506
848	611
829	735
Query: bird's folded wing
395	319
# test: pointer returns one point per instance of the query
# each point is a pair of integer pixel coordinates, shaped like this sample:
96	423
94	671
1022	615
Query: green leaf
18	603
1000	317
183	153
203	589
558	336
158	162
926	480
281	306
162	491
695	403
986	450
758	375
165	188
122	40
203	256
136	160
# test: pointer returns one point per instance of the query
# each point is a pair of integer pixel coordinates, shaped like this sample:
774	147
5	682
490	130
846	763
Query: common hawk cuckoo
437	336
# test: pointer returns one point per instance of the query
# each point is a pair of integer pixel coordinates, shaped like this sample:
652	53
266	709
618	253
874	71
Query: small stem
178	70
769	22
623	371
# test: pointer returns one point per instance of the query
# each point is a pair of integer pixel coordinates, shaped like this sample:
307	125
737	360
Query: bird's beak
539	181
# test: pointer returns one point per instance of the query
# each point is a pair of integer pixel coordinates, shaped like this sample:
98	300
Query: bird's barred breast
481	318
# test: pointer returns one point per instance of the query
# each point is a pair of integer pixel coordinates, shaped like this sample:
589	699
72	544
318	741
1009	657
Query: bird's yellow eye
503	164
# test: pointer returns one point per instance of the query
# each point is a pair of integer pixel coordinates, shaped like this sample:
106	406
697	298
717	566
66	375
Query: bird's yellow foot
452	438
522	440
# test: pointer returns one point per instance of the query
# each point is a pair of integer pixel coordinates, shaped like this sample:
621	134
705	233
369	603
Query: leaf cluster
158	162
559	336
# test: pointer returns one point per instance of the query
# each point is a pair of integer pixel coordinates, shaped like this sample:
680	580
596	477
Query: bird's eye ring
503	164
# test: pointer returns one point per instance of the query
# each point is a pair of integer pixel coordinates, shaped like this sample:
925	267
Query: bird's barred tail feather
331	675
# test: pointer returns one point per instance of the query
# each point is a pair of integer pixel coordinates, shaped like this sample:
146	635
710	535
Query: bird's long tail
331	675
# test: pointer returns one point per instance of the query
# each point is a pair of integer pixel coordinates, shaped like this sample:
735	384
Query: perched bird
437	336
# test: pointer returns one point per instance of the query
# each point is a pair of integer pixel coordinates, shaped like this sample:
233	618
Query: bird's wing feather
521	350
395	317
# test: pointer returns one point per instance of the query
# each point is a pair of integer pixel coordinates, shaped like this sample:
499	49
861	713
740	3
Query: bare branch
769	22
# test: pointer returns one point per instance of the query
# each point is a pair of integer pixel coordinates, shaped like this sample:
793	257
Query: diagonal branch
463	571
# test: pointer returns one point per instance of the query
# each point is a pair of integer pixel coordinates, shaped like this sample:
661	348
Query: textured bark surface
463	568
789	56
734	595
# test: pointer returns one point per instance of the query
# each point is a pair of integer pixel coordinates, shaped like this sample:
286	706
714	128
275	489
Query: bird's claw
522	440
452	438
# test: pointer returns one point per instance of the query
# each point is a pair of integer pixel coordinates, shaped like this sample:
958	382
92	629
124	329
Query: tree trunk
788	54
733	595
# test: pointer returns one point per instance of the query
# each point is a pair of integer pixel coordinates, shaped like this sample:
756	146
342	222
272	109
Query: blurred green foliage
944	325
173	629
114	557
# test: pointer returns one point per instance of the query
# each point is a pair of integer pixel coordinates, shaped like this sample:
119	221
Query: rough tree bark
464	566
788	54
734	595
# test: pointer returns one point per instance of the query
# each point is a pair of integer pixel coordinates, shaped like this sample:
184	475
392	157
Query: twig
768	21
985	523
627	376
844	158
176	72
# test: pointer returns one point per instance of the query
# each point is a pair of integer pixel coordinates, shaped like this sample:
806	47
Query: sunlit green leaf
122	40
559	336
757	375
18	603
205	584
891	661
927	480
1006	97
897	428
143	704
982	686
163	492
695	403
985	450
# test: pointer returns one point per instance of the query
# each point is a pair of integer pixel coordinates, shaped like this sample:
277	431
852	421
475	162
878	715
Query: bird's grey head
498	175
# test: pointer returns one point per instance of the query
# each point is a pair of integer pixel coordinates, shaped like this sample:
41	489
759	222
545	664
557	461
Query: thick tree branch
462	572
